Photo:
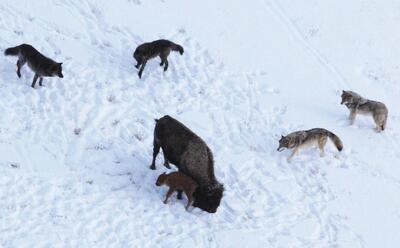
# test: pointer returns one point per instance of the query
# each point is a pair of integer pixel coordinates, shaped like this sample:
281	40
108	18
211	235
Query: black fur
192	156
41	65
161	48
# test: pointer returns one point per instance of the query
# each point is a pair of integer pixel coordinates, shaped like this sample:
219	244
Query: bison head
208	199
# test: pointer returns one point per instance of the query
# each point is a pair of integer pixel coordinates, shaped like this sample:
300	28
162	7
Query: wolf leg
352	116
34	80
40	81
156	150
321	146
141	69
379	122
295	150
20	63
166	65
162	61
169	193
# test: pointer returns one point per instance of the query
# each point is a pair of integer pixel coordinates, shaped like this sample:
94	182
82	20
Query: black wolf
40	64
161	48
192	156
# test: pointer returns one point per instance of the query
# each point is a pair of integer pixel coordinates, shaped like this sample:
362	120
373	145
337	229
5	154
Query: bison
192	156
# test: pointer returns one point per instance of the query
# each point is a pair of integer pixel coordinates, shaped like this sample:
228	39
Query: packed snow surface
75	153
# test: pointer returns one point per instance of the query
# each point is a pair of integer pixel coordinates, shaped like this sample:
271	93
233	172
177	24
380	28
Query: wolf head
57	70
347	97
180	49
284	142
161	179
208	200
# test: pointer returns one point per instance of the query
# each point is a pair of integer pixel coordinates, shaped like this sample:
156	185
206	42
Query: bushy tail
12	51
335	139
177	48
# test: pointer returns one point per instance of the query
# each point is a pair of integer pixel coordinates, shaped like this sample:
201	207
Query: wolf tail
12	51
177	48
335	139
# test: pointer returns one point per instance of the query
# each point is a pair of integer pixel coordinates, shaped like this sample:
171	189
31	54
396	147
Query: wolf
187	151
178	181
300	139
149	50
359	105
40	64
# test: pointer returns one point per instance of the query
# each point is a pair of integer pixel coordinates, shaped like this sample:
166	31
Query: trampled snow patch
75	153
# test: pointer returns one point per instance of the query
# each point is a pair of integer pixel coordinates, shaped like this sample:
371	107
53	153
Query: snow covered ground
74	154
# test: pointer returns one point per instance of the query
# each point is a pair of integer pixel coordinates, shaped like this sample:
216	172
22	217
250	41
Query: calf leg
190	200
34	80
156	150
40	81
169	193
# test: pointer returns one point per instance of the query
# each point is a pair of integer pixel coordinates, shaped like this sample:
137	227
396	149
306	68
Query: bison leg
166	164
156	150
179	196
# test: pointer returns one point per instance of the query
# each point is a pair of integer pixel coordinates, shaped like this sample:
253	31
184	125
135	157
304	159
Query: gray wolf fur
301	139
178	181
40	64
161	48
192	156
359	105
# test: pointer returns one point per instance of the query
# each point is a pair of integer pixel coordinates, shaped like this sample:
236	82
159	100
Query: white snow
75	153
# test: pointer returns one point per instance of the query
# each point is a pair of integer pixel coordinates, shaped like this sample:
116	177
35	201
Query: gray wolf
149	50
359	105
178	181
192	156
39	64
301	139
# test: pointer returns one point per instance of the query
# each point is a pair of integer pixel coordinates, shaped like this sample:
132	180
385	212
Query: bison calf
178	181
192	156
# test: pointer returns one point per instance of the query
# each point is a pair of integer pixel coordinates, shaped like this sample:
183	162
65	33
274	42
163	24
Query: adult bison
192	156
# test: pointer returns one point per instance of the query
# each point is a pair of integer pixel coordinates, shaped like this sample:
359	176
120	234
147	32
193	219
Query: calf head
161	179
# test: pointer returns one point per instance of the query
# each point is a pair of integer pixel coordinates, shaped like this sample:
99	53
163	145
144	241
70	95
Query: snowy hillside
75	153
